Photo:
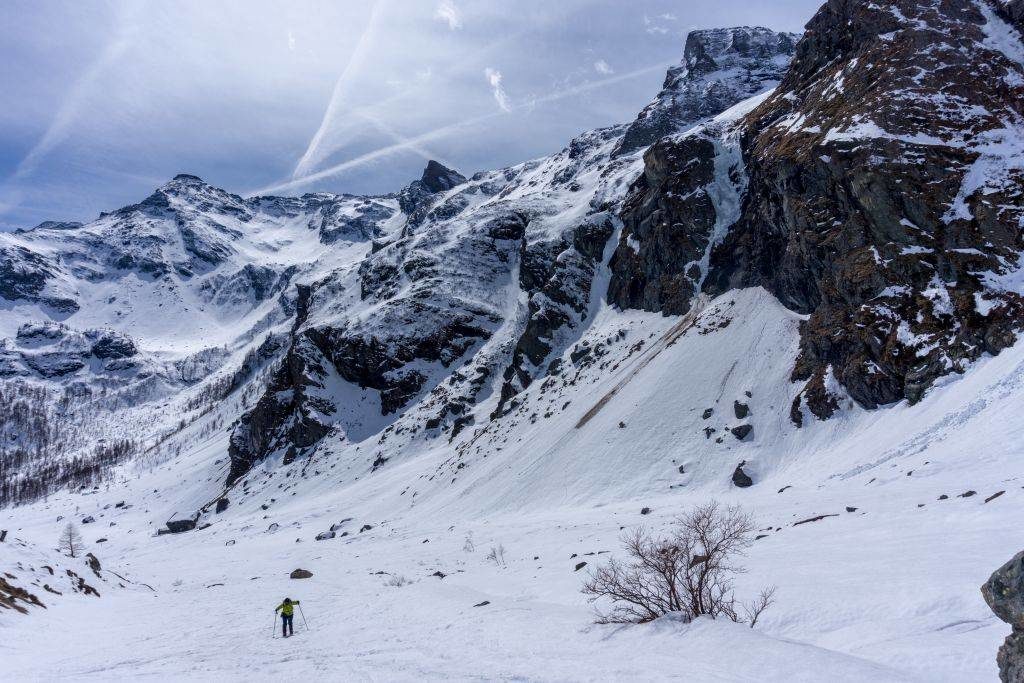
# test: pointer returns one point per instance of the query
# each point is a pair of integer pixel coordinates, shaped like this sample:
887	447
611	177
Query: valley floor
888	592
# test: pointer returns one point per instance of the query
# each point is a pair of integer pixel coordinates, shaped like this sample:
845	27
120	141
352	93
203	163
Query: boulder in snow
741	478
177	525
301	574
1004	593
741	432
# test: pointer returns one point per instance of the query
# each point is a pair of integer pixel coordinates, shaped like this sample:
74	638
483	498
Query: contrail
68	110
592	85
355	61
399	138
409	143
349	124
413	142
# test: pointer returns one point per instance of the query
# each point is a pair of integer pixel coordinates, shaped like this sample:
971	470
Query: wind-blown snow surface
888	591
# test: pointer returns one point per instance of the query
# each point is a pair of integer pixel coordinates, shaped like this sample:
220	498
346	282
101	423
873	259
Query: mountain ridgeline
856	172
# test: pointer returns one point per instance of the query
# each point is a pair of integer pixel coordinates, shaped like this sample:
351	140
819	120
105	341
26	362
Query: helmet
287	600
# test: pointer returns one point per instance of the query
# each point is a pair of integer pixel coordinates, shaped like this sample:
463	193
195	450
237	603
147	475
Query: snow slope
885	592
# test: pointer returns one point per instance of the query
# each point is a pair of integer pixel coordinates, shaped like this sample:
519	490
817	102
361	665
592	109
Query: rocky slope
491	278
881	195
868	187
720	68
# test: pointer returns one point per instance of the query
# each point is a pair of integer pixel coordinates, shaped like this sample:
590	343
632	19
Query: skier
287	610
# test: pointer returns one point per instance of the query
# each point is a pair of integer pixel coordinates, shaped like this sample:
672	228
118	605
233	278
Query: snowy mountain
792	283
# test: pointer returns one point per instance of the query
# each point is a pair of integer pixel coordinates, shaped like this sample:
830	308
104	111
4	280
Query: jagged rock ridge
720	68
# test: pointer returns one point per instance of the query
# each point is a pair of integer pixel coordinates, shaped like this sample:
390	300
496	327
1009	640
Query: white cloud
494	78
654	29
447	11
602	67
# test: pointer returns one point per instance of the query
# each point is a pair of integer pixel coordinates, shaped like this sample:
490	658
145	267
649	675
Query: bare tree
70	541
497	555
689	572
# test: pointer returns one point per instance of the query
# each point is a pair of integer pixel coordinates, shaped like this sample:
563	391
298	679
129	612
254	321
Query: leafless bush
469	546
689	572
497	555
397	580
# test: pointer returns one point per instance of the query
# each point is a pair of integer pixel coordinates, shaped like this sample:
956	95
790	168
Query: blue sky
106	100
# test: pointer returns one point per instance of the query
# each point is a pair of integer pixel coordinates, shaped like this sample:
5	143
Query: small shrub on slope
689	572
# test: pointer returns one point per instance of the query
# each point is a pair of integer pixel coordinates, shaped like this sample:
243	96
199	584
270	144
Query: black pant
286	624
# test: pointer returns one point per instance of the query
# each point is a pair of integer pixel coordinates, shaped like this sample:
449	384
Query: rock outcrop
1004	593
692	183
901	286
807	195
418	195
720	67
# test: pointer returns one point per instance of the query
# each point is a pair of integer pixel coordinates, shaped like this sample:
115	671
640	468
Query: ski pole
303	617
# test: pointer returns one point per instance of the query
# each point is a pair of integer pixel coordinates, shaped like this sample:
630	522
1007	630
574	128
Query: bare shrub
397	580
469	546
70	541
497	555
689	572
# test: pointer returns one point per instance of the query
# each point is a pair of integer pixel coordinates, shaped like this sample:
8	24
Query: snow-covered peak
711	50
437	177
720	67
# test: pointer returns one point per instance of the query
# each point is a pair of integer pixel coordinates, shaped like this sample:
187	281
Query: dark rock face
436	178
1013	11
301	574
901	286
669	218
691	186
94	564
289	415
56	351
720	68
24	275
181	525
1004	593
558	276
114	345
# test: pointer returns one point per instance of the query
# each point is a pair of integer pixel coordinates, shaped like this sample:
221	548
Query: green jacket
287	608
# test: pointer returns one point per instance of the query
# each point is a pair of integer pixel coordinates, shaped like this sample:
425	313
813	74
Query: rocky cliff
880	194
